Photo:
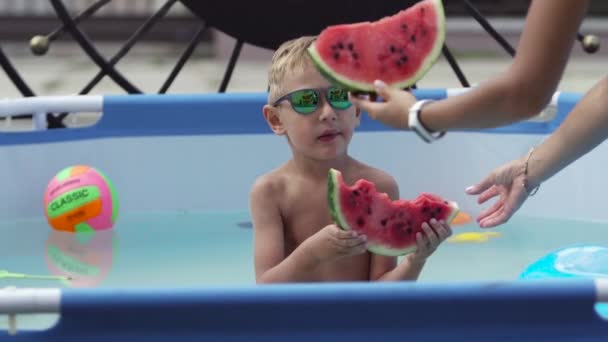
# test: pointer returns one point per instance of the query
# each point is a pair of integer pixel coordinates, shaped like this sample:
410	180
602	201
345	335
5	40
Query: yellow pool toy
475	237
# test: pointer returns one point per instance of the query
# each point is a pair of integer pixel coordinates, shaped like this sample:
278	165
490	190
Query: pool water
191	249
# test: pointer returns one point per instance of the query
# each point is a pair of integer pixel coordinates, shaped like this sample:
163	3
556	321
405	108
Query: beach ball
84	258
80	198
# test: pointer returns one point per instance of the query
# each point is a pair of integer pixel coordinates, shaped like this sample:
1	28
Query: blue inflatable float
578	261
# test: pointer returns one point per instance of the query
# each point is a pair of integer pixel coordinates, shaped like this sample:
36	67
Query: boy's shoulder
270	183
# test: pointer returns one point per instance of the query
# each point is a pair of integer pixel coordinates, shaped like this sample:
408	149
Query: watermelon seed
438	210
334	47
383	222
355	55
369	210
398	63
360	221
336	56
356	193
340	46
392	48
409	222
413	38
350	46
409	230
403	59
423	32
404	27
425	209
422	10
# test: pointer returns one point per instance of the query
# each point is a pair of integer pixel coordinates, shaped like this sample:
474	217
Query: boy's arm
271	264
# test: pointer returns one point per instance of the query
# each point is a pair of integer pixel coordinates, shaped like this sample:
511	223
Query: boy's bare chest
305	211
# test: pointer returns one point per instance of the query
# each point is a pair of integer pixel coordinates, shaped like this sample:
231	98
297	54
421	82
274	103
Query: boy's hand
428	243
331	242
393	112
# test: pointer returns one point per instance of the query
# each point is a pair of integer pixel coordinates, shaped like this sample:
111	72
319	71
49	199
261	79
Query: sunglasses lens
338	97
305	101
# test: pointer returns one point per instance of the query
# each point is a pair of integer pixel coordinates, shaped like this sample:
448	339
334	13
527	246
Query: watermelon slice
397	49
390	226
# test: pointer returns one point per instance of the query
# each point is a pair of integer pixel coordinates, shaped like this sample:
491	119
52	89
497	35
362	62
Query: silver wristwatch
415	124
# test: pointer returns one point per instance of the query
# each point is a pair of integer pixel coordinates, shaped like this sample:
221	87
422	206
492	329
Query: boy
294	237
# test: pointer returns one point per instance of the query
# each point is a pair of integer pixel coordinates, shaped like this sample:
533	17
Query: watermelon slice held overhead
398	49
390	226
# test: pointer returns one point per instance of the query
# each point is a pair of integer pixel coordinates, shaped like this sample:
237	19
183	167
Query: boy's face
326	131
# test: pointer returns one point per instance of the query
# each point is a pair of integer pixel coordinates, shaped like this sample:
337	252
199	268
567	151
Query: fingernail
433	220
379	84
469	189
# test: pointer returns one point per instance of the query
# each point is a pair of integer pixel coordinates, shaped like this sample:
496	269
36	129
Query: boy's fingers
441	229
421	242
448	230
357	250
362	249
355	241
444	233
430	234
342	234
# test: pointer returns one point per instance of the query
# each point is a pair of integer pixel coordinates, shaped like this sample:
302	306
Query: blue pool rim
228	114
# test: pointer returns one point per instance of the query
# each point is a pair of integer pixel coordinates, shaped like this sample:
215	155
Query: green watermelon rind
426	65
333	196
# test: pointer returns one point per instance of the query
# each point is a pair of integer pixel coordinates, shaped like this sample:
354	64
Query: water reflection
86	257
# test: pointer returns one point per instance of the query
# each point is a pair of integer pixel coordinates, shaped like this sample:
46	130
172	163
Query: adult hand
507	182
393	111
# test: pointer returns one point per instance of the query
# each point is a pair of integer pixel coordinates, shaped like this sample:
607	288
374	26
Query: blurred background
64	68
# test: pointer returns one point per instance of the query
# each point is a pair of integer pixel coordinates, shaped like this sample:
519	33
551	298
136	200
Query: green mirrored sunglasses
306	101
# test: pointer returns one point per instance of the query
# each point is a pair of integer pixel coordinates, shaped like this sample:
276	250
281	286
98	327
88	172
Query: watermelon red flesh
398	49
390	226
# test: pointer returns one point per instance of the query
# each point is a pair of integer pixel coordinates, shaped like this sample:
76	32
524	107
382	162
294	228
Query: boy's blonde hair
290	56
